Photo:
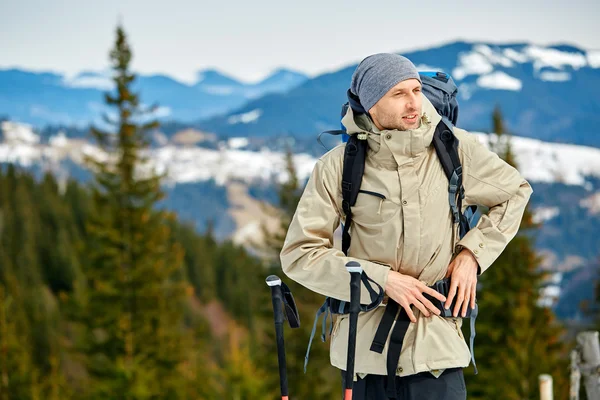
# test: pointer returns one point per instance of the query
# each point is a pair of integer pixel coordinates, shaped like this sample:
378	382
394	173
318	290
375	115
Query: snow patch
162	112
14	132
551	162
249	231
551	76
200	164
545	57
592	203
481	60
593	59
548	296
500	81
237	143
542	214
427	68
494	57
472	64
245	118
515	56
59	140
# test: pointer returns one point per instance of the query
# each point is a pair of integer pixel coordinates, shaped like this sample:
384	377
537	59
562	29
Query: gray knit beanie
377	74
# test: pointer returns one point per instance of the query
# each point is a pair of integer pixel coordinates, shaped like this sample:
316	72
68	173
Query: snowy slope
538	161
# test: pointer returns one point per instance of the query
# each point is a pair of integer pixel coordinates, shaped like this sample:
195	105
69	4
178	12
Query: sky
250	39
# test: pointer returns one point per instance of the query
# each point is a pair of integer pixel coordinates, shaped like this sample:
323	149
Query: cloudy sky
249	39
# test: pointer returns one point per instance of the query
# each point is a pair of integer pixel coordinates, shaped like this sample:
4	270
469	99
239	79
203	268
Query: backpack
441	91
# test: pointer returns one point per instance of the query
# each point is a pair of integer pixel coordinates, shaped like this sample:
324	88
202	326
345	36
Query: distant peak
212	76
283	74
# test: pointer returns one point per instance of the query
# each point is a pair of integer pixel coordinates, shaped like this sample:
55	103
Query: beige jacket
409	231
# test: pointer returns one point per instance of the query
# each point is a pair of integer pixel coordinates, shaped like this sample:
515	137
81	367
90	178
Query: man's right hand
407	291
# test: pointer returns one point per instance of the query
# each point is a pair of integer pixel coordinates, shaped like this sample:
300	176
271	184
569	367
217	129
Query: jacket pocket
373	209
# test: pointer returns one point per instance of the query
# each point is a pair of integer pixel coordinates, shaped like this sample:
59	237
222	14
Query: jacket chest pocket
373	209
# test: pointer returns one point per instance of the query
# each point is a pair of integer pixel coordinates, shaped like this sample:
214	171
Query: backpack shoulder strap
446	147
352	174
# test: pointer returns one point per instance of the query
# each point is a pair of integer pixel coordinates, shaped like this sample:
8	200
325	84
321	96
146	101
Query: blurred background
153	153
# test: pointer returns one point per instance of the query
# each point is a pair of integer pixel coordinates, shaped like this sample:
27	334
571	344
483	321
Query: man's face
399	108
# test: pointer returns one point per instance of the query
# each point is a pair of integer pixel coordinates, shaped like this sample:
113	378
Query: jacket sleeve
490	181
308	256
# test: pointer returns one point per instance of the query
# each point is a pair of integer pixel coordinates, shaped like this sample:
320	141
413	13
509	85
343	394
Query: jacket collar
393	148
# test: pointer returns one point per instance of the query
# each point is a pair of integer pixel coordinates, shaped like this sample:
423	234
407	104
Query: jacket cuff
475	242
377	272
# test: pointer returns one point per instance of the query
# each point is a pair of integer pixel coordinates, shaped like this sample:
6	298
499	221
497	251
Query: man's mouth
410	118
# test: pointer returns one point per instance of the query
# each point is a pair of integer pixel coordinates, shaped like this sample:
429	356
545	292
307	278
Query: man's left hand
463	270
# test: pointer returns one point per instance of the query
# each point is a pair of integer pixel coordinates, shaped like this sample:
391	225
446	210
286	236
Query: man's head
389	88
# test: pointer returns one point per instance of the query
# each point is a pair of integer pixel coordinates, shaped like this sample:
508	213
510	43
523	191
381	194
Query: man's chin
405	127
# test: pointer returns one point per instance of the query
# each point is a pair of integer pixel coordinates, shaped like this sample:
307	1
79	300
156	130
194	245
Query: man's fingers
428	304
409	312
451	294
432	292
466	302
473	295
421	307
459	300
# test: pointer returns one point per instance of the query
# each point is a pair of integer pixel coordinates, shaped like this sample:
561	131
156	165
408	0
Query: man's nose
411	100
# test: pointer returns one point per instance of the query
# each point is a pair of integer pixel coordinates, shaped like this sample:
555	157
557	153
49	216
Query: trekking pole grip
277	298
355	271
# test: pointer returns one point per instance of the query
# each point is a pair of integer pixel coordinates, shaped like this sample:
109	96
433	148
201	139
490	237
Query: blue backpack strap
472	319
322	309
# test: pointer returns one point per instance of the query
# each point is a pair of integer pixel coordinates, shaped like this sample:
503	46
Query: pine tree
517	339
134	306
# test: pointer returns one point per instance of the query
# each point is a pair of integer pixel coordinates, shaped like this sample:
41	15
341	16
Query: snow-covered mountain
544	92
51	98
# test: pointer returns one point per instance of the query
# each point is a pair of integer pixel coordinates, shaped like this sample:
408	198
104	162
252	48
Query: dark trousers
423	386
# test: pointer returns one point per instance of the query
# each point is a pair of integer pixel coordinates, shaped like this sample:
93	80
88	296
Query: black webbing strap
383	330
354	167
394	350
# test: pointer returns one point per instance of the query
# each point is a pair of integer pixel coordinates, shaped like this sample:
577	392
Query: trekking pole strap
291	310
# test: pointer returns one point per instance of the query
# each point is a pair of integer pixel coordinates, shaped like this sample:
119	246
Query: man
402	232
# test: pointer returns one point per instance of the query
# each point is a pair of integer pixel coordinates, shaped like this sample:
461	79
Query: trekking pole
355	271
282	296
